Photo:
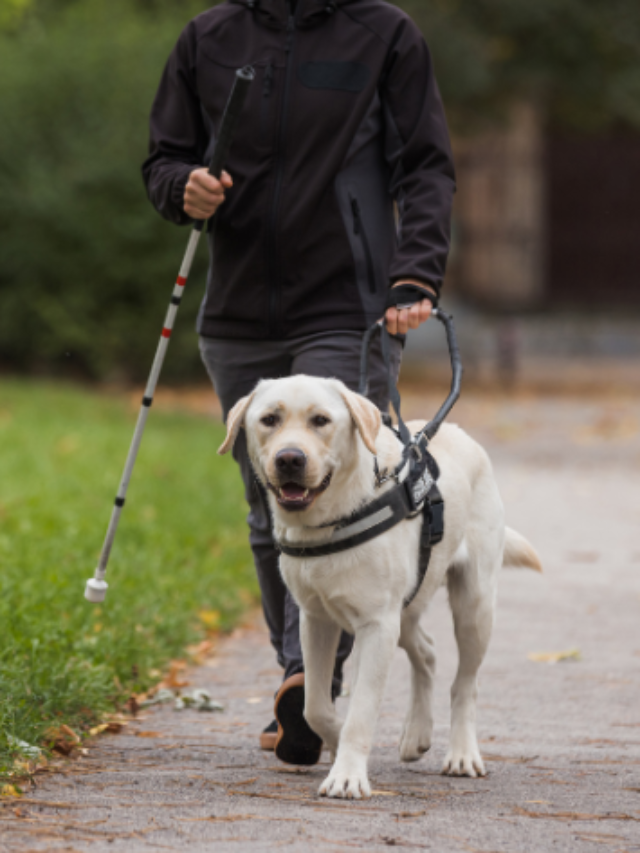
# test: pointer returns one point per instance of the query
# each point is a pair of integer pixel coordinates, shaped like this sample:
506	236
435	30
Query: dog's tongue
293	491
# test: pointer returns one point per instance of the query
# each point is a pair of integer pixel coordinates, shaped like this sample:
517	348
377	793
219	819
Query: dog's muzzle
294	496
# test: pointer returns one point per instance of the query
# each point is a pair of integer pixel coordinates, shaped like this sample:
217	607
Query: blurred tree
86	266
11	13
578	59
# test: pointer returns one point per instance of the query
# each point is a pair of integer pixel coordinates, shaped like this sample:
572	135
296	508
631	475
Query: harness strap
394	394
431	533
381	515
378	517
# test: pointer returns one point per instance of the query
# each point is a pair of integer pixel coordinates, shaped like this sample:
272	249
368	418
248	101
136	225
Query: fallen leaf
149	734
210	619
112	727
10	791
202	651
510	759
554	657
255	700
385	793
62	739
173	680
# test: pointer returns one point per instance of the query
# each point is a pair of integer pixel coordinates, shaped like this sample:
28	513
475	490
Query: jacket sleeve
419	154
177	133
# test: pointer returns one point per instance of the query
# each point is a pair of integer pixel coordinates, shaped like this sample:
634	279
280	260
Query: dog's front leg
320	638
348	778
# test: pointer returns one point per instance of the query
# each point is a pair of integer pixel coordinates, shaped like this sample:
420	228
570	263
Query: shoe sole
296	742
268	741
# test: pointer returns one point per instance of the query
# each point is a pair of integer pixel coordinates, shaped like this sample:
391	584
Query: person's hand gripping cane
204	194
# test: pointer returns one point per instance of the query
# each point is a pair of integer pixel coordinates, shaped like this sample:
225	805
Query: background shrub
87	266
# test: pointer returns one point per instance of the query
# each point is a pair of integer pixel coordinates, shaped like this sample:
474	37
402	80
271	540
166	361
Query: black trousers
235	367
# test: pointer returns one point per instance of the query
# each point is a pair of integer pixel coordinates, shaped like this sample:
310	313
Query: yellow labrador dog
312	443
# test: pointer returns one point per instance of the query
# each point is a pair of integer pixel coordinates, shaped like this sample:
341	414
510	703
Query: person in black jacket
335	211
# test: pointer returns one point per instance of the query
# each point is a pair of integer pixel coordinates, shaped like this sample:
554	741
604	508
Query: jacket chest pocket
339	76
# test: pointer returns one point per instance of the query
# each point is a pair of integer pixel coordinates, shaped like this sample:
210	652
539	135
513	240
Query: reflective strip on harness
378	517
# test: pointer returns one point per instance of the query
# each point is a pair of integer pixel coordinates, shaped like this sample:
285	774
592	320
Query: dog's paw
347	783
464	763
415	740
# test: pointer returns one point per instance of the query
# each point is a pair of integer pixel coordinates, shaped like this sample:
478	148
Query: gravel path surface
561	742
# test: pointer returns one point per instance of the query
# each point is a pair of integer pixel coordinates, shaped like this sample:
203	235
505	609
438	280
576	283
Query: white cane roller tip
95	591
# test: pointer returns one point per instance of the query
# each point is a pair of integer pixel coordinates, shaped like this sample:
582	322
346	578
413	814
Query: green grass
181	548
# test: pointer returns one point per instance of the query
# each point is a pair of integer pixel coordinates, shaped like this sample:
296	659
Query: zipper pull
268	81
355	207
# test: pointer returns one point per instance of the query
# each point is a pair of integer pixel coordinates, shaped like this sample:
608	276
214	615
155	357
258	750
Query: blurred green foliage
86	267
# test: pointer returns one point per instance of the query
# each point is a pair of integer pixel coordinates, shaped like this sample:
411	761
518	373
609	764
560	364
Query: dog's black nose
290	461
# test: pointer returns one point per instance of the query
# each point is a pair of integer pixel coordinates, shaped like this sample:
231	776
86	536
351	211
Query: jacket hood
274	13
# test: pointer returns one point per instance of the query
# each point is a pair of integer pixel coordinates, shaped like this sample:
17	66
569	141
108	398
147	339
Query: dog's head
302	432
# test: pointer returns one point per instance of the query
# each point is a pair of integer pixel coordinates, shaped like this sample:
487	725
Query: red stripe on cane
166	333
181	281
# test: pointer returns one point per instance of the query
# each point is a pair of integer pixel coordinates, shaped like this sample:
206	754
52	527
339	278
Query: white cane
96	588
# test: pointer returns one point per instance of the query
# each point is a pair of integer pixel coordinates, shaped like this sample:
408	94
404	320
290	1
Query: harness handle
456	367
456	378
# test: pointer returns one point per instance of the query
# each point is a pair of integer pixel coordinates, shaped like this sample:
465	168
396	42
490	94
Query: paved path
561	742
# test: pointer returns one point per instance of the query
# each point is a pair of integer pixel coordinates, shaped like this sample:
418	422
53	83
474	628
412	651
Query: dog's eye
269	420
319	421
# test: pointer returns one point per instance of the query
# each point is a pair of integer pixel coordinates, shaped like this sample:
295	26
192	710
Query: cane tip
95	591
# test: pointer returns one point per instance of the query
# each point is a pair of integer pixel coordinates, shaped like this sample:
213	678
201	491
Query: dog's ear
365	415
235	421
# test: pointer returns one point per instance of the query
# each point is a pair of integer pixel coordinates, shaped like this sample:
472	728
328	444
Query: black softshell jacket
343	119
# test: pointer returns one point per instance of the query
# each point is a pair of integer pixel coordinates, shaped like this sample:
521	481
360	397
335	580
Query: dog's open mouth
294	496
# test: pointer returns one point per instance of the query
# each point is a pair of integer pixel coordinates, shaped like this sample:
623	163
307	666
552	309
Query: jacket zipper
359	231
274	260
267	86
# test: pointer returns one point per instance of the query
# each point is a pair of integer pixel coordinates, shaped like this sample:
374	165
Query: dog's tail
518	553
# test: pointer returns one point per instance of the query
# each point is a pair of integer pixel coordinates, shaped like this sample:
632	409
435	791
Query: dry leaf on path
201	651
554	657
10	791
111	728
173	680
62	739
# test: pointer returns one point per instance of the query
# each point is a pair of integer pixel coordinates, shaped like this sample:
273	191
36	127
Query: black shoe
296	743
